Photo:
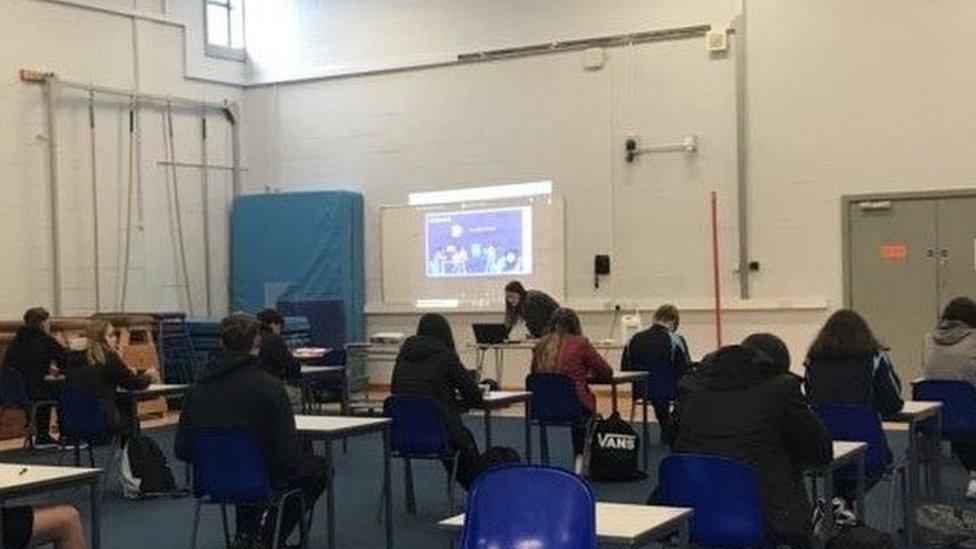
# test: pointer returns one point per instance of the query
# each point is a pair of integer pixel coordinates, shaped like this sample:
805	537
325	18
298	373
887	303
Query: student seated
742	403
532	306
42	524
235	392
847	365
663	353
276	358
34	352
428	365
101	369
950	354
565	351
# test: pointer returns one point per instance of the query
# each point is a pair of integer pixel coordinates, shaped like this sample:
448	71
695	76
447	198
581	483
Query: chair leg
303	522
277	530
196	525
91	457
77	453
450	482
31	427
543	444
223	519
408	485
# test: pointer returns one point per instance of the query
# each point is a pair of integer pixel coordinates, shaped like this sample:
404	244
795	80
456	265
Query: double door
906	258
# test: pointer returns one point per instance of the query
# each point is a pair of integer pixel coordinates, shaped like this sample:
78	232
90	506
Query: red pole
715	271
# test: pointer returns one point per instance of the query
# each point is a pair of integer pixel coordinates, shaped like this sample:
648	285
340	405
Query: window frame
220	51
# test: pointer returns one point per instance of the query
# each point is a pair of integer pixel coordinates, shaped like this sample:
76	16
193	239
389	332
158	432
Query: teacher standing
533	307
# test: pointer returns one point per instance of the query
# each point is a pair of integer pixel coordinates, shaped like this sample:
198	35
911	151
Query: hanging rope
171	146
127	230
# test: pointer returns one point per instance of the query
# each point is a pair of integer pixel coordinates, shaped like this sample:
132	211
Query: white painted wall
842	98
87	46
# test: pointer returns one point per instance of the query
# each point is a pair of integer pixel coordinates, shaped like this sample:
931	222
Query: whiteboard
404	265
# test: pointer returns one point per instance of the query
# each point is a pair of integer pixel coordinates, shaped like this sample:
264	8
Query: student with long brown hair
101	369
566	351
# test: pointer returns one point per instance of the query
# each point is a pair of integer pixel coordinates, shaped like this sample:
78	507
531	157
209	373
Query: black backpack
614	449
144	470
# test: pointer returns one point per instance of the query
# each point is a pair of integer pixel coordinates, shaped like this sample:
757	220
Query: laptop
490	333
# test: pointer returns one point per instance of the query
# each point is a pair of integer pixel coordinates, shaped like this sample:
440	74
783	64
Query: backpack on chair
143	469
613	451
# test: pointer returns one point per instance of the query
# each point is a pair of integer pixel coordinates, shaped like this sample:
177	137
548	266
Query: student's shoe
43	442
971	489
843	515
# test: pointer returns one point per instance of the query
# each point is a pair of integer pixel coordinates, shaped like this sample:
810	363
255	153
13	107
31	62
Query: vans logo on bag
613	440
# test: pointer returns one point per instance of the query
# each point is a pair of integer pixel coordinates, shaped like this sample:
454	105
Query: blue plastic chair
958	400
418	431
860	424
724	494
228	469
82	422
529	506
13	390
553	403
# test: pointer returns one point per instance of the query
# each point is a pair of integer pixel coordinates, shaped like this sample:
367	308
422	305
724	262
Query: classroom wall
841	98
108	50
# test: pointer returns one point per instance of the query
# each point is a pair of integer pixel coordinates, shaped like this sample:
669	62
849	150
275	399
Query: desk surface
312	370
620	377
500	399
846	451
338	425
916	410
618	522
17	478
528	345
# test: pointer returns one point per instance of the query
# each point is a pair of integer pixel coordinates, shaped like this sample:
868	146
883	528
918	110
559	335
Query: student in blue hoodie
662	352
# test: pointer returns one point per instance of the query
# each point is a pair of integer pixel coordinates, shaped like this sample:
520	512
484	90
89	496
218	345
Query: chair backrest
553	398
417	428
80	417
857	424
529	506
958	399
228	467
841	381
724	494
13	388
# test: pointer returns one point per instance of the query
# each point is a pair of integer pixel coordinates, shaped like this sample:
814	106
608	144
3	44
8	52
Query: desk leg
934	460
330	495
646	429
134	407
487	429
479	360
96	515
345	396
613	396
684	535
528	431
859	494
912	458
387	487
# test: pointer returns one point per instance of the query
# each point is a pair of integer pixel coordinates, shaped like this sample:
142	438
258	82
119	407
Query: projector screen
471	243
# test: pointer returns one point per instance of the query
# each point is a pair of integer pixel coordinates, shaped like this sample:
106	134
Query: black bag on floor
498	455
614	449
860	536
144	470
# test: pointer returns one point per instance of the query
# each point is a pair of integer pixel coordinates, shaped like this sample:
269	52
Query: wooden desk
624	524
19	480
329	428
496	400
914	413
844	454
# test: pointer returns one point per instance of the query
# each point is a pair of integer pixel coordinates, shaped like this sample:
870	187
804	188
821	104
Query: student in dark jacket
235	392
100	369
276	358
428	365
846	365
566	351
663	353
532	306
32	353
742	403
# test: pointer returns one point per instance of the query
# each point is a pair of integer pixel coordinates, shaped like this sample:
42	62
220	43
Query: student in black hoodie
235	392
276	358
742	403
428	365
532	306
32	353
661	352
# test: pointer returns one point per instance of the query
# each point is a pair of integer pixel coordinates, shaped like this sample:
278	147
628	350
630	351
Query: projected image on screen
479	242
